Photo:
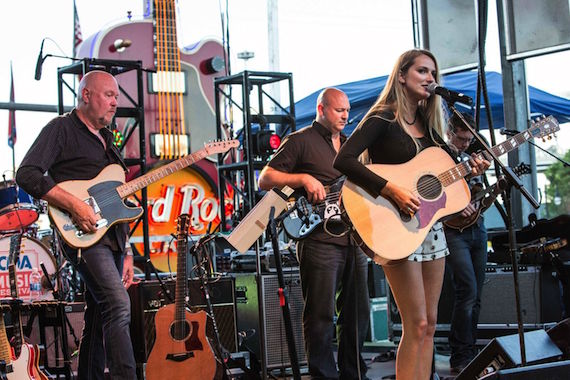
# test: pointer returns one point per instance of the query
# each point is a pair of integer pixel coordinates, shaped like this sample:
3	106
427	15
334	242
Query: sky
321	42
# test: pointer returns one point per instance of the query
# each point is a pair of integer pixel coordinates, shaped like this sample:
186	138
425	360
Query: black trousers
334	280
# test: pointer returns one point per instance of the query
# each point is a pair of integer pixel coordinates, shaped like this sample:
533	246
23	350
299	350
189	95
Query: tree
558	191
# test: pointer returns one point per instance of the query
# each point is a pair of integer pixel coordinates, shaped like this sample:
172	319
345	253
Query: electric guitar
306	217
482	200
181	349
14	369
105	194
27	355
436	180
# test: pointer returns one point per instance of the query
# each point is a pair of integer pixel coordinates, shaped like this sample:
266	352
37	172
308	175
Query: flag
11	114
77	36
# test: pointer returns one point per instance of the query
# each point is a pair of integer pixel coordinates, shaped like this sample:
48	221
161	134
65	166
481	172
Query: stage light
265	142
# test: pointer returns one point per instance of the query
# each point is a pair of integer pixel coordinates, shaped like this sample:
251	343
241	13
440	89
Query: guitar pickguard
428	209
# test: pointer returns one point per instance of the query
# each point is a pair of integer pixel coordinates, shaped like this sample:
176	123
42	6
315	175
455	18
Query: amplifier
275	339
148	296
540	301
46	326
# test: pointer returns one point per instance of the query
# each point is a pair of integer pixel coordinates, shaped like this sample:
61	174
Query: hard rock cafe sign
185	191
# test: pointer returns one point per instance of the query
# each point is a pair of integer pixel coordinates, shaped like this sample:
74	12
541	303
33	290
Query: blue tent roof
363	93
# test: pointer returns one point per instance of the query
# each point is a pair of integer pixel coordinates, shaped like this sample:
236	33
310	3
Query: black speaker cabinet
547	371
148	296
275	340
504	352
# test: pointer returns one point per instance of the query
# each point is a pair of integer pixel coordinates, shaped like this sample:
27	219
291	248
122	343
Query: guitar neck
157	174
461	170
181	280
165	36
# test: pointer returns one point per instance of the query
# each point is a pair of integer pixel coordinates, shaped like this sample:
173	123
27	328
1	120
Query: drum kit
19	214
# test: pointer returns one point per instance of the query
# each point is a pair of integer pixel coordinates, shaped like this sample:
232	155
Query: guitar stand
47	318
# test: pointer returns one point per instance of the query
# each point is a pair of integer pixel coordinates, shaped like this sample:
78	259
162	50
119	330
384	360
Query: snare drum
17	208
32	253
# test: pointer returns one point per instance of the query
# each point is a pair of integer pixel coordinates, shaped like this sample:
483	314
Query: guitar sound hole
429	187
179	330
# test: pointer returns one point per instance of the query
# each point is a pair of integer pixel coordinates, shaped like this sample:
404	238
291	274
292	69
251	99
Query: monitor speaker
504	352
550	371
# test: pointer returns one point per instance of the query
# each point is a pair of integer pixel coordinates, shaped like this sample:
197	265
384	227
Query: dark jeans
106	334
467	262
330	272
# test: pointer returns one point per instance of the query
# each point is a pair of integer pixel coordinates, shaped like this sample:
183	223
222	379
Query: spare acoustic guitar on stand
181	349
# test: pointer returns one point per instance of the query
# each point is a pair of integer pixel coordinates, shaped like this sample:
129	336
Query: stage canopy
363	93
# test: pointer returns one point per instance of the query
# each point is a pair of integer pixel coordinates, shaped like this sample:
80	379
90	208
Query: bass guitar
438	183
482	200
181	350
105	194
300	222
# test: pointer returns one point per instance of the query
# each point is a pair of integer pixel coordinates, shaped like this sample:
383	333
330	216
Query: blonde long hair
392	97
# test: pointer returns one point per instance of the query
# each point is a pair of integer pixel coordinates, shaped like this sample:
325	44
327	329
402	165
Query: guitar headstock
522	169
544	127
182	226
220	146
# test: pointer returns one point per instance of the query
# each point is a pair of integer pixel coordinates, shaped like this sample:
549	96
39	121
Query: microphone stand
199	252
282	291
515	181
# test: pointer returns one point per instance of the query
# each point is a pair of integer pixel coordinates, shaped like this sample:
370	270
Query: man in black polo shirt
77	146
328	264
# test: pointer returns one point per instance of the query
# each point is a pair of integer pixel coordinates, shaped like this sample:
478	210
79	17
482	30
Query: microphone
40	62
120	45
449	95
508	132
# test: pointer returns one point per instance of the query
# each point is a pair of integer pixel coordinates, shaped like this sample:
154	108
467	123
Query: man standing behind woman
467	261
327	264
404	120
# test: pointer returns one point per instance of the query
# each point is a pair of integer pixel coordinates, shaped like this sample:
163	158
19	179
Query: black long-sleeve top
387	143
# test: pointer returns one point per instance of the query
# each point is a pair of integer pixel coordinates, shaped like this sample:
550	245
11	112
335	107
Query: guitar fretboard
167	56
542	127
145	180
181	280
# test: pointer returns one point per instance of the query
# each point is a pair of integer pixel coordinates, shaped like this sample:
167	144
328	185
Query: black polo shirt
310	150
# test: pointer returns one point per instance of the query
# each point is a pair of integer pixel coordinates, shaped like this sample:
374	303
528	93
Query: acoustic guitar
105	194
181	349
438	183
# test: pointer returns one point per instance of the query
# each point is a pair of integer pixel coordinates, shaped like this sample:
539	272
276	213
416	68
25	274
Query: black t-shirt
310	150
